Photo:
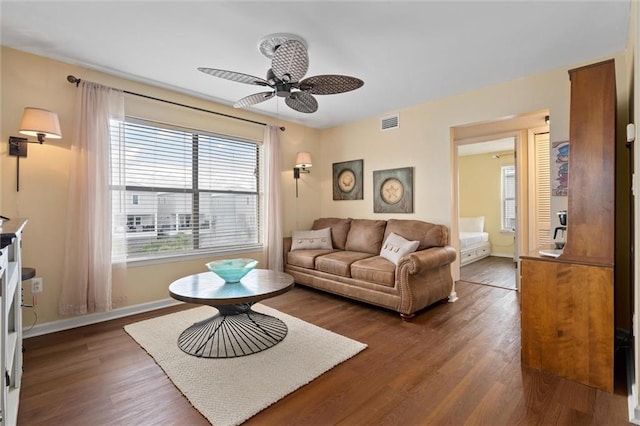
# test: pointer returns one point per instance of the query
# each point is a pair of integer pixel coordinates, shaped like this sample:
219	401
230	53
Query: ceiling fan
289	63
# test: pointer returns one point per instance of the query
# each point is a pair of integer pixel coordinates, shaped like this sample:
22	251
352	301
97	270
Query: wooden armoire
567	303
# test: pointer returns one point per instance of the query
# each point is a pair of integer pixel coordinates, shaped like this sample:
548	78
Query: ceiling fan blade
235	76
330	84
303	102
256	98
290	61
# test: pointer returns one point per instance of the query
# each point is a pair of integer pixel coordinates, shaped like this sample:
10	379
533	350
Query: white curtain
272	250
87	284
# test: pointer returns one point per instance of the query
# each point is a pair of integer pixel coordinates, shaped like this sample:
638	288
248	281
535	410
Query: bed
474	242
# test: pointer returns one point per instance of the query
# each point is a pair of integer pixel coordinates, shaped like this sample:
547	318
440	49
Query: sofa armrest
286	244
424	277
430	258
286	248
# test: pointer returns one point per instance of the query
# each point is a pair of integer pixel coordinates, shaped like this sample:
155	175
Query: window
140	223
194	191
508	199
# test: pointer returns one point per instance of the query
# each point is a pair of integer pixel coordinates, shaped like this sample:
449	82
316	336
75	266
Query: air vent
388	123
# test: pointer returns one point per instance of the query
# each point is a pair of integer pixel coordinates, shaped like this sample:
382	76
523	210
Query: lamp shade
303	160
37	121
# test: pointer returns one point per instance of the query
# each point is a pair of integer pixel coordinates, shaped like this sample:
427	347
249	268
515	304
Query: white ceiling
407	53
498	145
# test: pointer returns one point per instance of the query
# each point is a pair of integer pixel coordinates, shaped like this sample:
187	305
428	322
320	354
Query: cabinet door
567	321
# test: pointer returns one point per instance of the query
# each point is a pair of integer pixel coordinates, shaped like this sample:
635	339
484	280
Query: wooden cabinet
567	318
10	319
591	203
567	303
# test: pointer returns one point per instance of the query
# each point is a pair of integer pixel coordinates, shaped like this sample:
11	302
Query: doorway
487	211
523	238
494	271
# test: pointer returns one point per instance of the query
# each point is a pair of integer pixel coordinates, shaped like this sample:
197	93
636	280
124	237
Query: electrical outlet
36	285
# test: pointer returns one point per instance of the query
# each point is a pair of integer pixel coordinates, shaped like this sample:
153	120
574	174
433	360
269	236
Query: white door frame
522	204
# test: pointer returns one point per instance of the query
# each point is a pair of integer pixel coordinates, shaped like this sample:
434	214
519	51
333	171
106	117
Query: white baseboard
634	411
79	321
632	398
510	256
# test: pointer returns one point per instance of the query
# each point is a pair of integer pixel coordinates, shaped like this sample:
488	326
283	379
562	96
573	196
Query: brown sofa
354	268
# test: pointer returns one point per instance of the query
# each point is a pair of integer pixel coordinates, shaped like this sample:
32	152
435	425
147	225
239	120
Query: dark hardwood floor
492	270
456	363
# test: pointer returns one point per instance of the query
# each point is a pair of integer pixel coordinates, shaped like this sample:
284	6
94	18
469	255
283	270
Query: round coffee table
236	330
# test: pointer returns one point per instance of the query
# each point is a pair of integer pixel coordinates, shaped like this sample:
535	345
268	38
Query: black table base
235	331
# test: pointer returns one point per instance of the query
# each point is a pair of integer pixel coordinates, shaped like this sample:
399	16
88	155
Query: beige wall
480	192
29	80
423	141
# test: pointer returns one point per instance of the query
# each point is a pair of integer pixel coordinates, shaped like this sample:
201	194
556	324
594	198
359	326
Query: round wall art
393	190
347	180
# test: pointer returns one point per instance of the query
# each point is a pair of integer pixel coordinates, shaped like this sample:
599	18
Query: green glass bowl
232	270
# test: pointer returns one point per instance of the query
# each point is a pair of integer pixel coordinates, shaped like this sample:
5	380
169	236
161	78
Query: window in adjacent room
195	191
508	198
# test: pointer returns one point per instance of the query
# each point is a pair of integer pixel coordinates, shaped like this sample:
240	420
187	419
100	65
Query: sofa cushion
308	240
395	247
374	269
305	258
366	235
339	229
428	234
339	262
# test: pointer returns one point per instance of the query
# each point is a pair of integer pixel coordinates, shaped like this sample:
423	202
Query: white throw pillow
308	240
472	224
395	247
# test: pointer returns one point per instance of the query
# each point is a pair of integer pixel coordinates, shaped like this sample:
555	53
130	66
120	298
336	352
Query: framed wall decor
347	180
393	190
560	168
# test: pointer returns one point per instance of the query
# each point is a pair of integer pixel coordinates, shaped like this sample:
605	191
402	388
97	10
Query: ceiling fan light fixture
283	90
269	43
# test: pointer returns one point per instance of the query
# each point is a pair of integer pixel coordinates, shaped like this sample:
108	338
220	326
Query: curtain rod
74	80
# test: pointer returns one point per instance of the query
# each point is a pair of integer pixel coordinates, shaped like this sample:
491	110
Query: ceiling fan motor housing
269	43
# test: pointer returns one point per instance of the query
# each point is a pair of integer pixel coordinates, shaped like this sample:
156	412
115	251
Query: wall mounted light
302	165
36	122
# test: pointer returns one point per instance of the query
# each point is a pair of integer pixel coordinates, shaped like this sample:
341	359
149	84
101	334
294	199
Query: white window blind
543	189
178	191
508	198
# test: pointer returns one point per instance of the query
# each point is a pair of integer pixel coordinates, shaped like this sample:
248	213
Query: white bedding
468	239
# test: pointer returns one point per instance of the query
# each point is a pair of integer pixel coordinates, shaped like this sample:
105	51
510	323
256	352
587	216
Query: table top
209	289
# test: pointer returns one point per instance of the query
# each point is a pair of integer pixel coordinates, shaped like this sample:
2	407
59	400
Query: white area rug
230	391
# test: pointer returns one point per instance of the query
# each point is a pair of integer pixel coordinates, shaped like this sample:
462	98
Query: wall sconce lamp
303	163
35	122
546	119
